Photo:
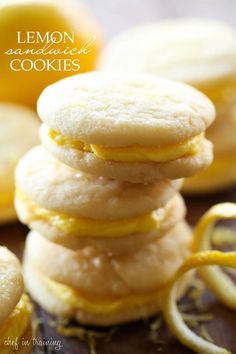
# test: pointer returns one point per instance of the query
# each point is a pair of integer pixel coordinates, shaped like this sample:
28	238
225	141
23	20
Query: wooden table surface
134	338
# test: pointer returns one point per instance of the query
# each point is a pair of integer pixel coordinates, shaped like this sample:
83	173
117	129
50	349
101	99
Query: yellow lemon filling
14	327
133	153
81	226
97	306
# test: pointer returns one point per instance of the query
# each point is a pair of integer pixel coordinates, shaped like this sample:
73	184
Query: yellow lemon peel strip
218	281
170	310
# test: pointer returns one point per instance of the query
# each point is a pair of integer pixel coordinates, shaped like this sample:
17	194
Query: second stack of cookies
108	228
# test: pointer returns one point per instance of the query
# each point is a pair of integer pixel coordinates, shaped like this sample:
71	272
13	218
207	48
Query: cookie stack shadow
101	195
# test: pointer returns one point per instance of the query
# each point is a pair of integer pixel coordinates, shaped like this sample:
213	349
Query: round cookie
118	110
196	51
135	275
137	272
19	132
15	308
124	126
55	186
12	286
76	209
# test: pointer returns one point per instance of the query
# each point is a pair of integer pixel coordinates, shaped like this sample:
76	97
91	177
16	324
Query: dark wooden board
134	338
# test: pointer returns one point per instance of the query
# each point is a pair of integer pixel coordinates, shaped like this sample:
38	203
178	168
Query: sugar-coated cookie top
55	186
11	284
112	109
195	51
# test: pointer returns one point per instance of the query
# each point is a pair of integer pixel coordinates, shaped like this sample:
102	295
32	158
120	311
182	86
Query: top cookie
115	110
196	51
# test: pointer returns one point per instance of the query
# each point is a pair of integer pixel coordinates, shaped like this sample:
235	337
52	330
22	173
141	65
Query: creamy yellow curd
132	153
97	306
81	226
15	326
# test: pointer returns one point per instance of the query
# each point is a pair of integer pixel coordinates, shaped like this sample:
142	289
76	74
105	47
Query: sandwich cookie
199	52
77	209
135	128
71	283
15	307
18	133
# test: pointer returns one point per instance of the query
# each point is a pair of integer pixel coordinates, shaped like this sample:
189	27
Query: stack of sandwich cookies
108	234
135	128
96	288
15	307
198	52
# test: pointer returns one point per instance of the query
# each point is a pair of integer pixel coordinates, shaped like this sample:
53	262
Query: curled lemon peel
170	310
215	278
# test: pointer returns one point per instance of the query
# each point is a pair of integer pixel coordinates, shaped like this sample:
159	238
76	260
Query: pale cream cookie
128	127
18	133
57	187
76	209
15	307
197	51
71	284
